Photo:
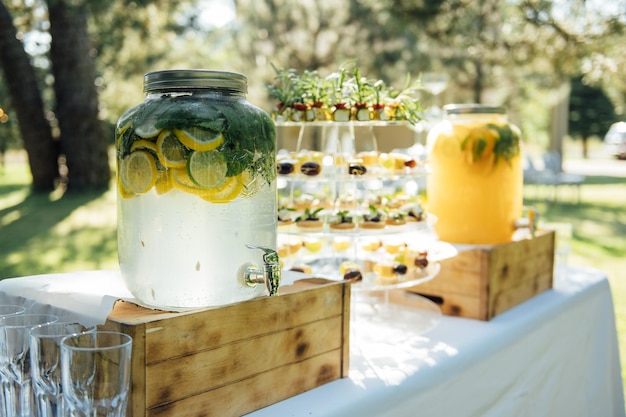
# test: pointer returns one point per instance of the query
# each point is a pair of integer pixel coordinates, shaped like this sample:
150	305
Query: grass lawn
52	233
599	234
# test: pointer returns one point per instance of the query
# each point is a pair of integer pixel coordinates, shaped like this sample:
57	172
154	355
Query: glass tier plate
394	316
327	263
327	231
355	123
430	272
340	175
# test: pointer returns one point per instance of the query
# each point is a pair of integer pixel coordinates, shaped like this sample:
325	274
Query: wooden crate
232	360
481	283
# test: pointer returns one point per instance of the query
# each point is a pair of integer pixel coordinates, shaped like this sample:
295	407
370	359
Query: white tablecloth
554	355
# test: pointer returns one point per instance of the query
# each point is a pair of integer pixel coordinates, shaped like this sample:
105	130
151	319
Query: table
554	355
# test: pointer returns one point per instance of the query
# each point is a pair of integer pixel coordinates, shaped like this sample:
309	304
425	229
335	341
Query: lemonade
196	184
178	250
475	185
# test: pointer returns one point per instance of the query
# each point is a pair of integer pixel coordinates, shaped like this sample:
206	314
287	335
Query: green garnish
309	215
249	136
344	217
506	143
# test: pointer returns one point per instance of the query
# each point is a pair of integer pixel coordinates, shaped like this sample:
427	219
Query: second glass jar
475	188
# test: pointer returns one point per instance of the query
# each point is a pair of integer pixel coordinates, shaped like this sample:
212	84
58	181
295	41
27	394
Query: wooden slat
258	391
504	300
270	347
193	333
455	304
484	282
345	357
189	375
519	272
462	271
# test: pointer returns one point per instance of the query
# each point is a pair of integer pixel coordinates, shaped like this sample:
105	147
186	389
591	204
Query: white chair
554	175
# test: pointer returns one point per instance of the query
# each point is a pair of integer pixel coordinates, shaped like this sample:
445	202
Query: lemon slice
163	182
170	151
199	139
312	245
143	144
122	128
125	122
123	192
180	180
448	146
138	171
147	130
229	191
207	169
341	245
386	161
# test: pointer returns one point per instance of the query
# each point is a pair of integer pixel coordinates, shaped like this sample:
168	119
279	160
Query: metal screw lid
194	79
473	109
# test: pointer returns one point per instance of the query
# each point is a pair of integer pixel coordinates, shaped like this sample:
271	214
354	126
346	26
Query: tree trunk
559	117
478	83
82	134
26	99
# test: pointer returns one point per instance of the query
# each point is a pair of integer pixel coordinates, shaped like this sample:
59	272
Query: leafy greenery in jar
231	133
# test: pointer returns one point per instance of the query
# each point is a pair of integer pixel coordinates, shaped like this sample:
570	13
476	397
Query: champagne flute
435	83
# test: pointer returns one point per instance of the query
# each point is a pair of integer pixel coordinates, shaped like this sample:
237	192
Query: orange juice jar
476	179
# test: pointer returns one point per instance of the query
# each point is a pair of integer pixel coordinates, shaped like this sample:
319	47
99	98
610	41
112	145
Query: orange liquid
476	200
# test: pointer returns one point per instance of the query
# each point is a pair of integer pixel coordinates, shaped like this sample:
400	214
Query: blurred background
70	68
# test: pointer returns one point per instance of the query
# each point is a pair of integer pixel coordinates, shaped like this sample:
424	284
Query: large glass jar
476	179
196	184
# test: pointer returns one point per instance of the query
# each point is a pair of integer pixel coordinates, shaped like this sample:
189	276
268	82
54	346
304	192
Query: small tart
285	222
395	221
310	224
413	212
342	225
305	269
348	266
369	224
285	216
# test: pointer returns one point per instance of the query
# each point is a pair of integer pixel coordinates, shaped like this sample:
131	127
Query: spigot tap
270	274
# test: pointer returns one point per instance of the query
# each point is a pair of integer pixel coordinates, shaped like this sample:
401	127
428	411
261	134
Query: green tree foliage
321	36
495	51
591	112
55	79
